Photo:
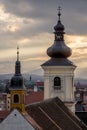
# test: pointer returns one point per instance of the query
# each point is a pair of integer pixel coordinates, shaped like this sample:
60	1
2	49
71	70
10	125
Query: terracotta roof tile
33	97
3	114
40	83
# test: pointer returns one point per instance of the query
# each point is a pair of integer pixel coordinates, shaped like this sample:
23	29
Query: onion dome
17	80
59	48
30	83
59	26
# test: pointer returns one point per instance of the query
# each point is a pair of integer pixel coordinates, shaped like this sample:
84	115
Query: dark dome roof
29	83
17	81
59	50
17	62
59	26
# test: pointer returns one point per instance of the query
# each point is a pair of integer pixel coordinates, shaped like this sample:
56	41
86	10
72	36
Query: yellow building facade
17	100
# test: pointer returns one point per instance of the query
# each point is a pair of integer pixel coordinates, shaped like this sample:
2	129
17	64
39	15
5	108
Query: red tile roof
33	97
3	114
40	83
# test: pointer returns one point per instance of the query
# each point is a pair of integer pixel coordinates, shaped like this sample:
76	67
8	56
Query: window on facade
16	98
57	83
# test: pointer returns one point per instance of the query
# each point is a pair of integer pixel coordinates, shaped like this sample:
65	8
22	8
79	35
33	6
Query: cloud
81	73
72	13
29	24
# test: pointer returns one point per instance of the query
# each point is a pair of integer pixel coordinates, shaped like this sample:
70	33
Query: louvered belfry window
16	98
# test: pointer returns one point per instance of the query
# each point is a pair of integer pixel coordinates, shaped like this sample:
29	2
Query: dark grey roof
58	62
52	114
17	82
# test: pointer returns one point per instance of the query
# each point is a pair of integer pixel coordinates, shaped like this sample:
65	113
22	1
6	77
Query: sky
29	24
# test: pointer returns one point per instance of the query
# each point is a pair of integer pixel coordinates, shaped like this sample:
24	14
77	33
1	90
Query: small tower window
16	98
57	83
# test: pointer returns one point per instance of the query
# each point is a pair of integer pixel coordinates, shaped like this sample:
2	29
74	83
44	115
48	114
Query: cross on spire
59	14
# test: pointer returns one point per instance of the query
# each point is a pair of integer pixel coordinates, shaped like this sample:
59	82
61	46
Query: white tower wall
66	74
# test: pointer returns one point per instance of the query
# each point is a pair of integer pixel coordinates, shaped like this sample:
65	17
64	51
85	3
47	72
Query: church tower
17	89
58	70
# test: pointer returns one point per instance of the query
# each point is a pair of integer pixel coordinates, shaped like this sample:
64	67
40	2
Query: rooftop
54	115
34	97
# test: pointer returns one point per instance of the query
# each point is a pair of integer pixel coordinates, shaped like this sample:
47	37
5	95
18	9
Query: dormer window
57	83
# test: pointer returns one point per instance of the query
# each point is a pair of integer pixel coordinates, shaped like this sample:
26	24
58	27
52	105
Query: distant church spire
17	53
17	88
30	77
17	64
17	79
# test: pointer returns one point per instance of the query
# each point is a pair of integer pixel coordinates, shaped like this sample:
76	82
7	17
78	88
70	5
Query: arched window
16	98
57	83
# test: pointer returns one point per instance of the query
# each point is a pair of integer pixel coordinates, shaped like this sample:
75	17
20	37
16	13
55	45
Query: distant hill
26	76
82	81
33	77
37	76
5	76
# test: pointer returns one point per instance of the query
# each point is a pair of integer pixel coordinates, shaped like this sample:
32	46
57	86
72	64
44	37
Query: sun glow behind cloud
12	23
7	18
78	44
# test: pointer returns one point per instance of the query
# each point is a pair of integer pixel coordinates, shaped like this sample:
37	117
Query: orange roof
40	83
3	114
33	97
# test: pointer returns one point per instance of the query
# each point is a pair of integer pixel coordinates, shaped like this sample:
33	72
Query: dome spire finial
17	53
59	14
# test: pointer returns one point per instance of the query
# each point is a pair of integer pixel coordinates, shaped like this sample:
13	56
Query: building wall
66	74
20	104
8	102
4	101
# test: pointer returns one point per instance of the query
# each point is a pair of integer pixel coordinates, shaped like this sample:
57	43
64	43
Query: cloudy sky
30	23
